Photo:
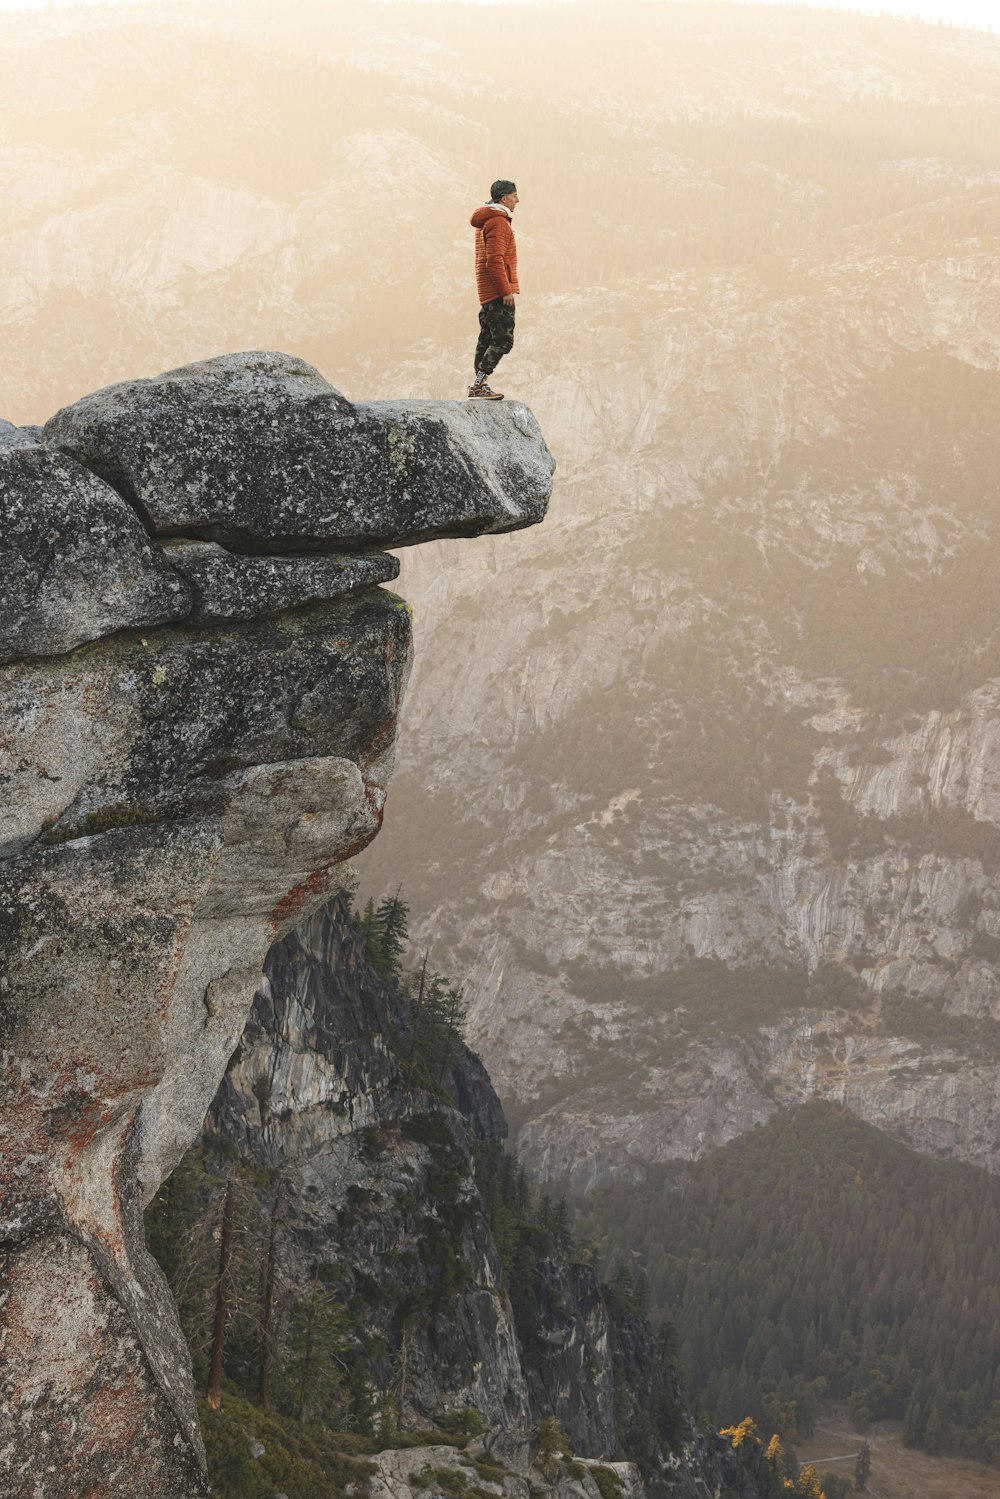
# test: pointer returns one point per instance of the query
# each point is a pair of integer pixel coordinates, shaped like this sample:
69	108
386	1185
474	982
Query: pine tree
268	1293
561	1229
914	1422
418	1022
452	1015
371	936
311	1371
862	1468
392	922
360	1400
553	1444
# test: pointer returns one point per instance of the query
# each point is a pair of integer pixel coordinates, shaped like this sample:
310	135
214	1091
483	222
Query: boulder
76	562
18	437
259	452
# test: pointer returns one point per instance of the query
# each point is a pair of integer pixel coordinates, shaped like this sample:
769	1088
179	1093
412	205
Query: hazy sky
983	13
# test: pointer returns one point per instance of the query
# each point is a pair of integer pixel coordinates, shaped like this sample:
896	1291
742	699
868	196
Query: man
496	283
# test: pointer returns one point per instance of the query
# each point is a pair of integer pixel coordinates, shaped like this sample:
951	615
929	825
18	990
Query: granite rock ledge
197	728
257	451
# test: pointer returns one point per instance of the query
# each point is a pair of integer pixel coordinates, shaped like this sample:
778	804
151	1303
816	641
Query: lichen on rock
76	562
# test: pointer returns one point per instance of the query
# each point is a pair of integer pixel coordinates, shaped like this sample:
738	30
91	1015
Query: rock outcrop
191	744
439	1471
314	1091
78	564
259	451
385	1209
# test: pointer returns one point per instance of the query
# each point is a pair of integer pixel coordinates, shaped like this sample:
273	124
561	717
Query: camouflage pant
496	335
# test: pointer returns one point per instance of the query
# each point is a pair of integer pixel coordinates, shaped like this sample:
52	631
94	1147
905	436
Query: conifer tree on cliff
268	1289
392	921
213	1394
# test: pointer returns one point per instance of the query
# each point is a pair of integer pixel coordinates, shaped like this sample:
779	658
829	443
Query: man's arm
494	239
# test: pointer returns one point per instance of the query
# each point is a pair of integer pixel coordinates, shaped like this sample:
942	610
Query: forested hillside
814	1258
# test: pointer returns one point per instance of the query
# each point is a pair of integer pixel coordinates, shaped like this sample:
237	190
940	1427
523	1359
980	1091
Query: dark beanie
501	188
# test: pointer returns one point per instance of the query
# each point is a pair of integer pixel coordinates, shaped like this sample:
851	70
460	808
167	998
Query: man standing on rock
496	283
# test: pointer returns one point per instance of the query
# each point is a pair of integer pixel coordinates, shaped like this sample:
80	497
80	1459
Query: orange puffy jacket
496	253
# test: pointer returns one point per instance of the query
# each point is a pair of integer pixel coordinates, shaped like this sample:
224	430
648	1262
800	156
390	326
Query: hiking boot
484	393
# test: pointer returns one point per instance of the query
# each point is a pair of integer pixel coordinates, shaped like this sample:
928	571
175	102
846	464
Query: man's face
510	201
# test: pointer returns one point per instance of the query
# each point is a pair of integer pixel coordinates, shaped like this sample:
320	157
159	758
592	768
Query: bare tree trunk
267	1338
214	1392
408	1084
404	1369
453	1010
307	1351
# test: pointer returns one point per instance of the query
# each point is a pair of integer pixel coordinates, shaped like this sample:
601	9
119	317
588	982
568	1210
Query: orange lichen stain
375	802
121	1421
172	967
93	700
300	895
380	740
89	1126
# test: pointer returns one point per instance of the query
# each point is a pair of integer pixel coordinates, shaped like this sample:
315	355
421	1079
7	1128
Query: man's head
504	192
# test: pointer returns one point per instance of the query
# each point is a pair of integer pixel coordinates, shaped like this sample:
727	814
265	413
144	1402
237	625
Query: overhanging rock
257	451
191	744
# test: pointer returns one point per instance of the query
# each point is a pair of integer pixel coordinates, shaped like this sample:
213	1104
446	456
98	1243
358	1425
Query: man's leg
484	340
496	338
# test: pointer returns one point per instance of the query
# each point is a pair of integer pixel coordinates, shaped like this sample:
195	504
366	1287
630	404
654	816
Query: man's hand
509	300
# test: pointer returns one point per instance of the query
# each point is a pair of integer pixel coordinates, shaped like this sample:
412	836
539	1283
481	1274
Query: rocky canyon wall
199	690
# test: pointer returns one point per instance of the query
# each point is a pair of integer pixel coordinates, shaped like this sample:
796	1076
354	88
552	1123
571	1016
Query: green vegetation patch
106	820
302	1461
815	1258
608	1482
451	1482
467	1422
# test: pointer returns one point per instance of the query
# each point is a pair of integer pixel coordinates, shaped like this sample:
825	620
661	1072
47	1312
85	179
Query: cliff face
193	737
316	1050
384	1201
735	841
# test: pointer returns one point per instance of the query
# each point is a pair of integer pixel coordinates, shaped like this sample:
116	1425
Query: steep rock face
176	796
376	1177
316	1049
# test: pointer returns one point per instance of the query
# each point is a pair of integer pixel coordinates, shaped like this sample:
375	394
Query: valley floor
898	1472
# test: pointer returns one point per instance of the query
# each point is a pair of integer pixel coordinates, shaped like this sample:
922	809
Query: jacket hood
487	211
